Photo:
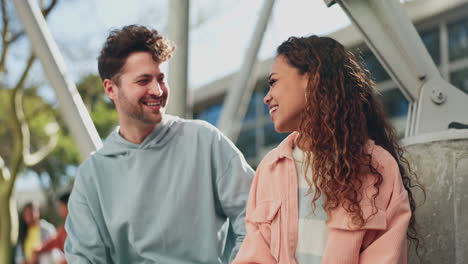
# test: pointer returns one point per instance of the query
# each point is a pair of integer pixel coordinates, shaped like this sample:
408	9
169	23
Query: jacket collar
284	149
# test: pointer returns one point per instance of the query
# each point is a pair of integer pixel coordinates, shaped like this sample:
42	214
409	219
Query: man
161	188
58	240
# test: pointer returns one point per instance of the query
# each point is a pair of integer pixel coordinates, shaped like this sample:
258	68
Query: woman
32	232
336	190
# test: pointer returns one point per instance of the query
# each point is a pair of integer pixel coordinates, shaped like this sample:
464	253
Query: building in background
443	27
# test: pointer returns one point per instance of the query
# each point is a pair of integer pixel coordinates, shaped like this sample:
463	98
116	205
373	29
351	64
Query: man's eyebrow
144	75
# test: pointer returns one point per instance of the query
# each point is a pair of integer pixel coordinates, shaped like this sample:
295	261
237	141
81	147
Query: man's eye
142	82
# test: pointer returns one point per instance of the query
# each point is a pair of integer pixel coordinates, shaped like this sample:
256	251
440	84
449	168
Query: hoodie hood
116	145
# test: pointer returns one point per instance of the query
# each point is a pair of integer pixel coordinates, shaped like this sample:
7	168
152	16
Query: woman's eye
271	82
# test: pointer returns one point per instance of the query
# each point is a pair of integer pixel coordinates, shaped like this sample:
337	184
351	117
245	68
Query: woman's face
286	98
31	215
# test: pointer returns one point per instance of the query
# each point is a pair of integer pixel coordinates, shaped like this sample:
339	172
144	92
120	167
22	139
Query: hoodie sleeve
233	187
84	243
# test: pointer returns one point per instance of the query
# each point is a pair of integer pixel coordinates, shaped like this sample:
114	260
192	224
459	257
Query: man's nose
156	89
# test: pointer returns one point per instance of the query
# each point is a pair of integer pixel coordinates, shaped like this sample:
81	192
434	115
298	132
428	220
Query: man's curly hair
132	38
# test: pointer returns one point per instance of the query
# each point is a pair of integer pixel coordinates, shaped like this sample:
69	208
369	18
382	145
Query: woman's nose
267	98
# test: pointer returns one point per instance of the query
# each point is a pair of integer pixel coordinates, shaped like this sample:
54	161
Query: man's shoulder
198	124
202	128
89	161
88	167
211	136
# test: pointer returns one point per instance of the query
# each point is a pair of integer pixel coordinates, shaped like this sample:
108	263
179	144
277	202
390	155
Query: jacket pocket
267	217
375	220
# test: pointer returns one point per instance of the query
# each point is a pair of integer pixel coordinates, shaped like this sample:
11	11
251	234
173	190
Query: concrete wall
442	167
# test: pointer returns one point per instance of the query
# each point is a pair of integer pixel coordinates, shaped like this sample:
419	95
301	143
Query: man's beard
135	111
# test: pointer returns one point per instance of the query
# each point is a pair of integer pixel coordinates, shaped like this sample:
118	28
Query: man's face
141	94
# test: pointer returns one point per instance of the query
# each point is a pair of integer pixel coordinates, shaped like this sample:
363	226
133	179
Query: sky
223	37
219	36
227	38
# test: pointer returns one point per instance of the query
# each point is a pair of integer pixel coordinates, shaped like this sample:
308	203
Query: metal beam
238	97
392	37
178	65
76	115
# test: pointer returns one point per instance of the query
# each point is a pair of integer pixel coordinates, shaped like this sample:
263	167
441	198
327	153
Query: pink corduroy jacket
272	215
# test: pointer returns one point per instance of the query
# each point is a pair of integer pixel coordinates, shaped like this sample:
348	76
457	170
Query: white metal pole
238	97
178	65
392	37
72	107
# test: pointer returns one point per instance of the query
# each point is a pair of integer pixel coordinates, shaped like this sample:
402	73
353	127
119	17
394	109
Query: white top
312	229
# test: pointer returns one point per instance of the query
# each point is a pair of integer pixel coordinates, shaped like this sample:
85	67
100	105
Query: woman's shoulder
383	161
387	166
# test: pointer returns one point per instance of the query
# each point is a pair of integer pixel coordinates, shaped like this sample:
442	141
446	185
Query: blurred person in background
57	241
32	232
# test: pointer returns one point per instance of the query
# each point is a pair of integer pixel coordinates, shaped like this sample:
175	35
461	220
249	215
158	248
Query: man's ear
110	88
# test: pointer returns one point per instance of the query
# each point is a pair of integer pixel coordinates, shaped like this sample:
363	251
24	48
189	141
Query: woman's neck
300	142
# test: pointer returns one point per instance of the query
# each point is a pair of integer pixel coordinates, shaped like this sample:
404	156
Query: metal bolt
438	97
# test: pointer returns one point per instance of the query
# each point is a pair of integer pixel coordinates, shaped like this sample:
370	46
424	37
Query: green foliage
56	165
101	109
55	169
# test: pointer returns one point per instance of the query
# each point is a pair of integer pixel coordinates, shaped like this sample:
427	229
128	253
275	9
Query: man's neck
136	134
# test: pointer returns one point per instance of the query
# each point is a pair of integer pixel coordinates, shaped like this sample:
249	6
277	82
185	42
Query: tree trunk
8	227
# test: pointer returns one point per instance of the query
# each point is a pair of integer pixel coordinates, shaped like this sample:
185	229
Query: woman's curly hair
342	113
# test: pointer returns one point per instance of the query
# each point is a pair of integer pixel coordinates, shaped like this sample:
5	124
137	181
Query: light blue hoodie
162	201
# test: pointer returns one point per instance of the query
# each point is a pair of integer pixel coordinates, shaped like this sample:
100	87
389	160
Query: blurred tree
98	104
20	150
56	172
